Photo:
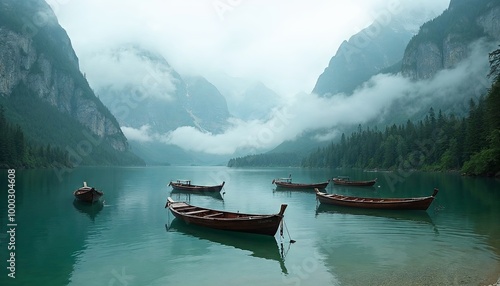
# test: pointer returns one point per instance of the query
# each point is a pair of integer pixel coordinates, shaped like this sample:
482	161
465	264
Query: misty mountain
445	76
375	48
43	90
150	99
206	105
246	99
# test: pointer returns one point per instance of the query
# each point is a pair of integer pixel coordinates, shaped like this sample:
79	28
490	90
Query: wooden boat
185	185
250	223
87	194
287	183
420	203
346	181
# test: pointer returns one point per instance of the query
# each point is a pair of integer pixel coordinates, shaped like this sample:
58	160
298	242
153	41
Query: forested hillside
439	142
18	152
266	160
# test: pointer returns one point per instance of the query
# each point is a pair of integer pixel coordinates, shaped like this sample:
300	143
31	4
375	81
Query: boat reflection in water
260	246
405	215
181	195
92	210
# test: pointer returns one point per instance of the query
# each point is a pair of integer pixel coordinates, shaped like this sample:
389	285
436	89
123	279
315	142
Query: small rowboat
420	203
185	185
287	183
345	181
87	194
250	223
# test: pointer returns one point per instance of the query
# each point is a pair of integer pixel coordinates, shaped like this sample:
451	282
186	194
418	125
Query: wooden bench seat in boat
213	215
196	212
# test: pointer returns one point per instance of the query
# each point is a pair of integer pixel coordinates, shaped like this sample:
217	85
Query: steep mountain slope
246	99
444	42
44	91
364	55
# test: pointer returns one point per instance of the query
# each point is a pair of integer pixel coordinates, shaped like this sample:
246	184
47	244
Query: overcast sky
284	43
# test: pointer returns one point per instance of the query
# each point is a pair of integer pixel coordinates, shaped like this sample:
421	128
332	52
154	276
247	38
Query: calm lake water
131	239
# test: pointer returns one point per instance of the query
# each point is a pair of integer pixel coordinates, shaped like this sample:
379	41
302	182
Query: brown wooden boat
346	181
87	194
287	183
250	223
420	203
185	185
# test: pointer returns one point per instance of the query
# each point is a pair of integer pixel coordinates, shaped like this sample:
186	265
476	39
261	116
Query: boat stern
282	210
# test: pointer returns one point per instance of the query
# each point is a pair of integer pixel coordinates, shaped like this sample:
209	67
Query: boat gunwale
191	187
242	216
369	202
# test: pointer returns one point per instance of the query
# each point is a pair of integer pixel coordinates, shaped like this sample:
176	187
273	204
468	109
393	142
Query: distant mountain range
247	100
441	43
158	100
43	90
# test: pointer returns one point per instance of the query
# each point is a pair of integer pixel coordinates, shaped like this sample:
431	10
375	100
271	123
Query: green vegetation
16	151
266	160
436	143
43	124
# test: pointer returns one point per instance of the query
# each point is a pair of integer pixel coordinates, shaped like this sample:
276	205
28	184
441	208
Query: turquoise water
131	239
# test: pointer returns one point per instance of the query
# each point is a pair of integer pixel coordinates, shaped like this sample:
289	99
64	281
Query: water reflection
339	189
92	210
290	191
180	195
260	246
406	215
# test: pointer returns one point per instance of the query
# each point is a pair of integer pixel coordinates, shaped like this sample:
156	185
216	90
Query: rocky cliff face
36	52
444	41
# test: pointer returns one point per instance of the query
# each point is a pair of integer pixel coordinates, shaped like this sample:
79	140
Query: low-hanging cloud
284	44
125	67
367	105
138	134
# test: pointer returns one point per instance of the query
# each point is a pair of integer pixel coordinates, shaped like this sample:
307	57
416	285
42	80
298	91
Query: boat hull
264	226
421	203
195	188
248	223
354	183
88	195
301	186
